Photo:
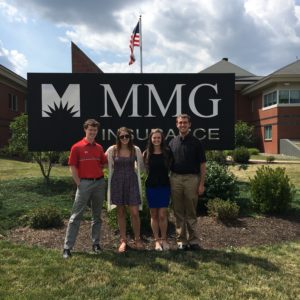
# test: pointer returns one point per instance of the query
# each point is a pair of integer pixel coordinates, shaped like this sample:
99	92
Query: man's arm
75	176
201	188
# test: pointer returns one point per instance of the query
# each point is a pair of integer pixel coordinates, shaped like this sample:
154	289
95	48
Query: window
12	102
295	96
268	132
284	96
270	99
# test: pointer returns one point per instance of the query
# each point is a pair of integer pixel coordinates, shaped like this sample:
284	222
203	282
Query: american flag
134	42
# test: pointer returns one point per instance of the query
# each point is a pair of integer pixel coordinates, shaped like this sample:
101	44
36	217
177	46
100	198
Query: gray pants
92	192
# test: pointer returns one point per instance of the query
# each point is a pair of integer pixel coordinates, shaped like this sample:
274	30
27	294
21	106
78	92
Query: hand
201	189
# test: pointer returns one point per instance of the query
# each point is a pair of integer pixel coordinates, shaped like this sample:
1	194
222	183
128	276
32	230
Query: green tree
244	134
18	145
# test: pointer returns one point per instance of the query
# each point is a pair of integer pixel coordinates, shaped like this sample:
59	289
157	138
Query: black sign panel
58	105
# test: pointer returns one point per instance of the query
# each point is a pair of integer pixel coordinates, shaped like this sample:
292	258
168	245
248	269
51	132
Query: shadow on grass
189	259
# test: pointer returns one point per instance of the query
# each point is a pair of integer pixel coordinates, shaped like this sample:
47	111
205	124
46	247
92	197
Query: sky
178	36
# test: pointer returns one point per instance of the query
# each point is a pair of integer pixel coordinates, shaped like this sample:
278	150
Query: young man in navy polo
187	183
86	162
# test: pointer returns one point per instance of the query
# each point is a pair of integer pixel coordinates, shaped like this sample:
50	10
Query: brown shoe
139	245
165	244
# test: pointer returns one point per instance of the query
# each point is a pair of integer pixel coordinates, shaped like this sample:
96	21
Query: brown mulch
247	231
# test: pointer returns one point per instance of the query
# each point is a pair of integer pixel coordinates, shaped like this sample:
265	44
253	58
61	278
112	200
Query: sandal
139	244
122	247
165	244
157	245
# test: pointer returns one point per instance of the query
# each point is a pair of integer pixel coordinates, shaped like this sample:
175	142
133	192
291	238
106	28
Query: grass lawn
247	273
266	272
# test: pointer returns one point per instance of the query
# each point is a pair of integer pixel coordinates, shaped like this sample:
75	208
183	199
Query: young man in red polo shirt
86	161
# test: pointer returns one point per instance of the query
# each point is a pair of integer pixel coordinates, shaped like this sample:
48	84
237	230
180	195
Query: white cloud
12	13
178	36
14	60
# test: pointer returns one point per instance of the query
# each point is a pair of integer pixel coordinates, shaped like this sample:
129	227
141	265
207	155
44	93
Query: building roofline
12	76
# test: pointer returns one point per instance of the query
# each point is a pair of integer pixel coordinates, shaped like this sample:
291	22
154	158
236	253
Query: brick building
13	89
271	103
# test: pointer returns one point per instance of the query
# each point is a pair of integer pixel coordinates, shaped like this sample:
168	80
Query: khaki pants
184	194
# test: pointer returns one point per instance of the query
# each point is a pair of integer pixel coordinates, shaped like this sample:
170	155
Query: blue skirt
158	197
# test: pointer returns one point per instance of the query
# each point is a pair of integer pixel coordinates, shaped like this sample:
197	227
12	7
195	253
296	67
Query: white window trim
271	138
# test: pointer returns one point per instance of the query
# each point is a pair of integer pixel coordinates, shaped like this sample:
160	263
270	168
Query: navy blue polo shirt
188	154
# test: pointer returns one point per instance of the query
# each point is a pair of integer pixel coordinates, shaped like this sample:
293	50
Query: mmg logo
53	104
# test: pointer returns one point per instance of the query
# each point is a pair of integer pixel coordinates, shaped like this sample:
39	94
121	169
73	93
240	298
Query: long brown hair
130	142
163	147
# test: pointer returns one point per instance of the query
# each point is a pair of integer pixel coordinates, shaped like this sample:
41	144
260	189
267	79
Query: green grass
248	273
278	157
12	169
266	272
19	196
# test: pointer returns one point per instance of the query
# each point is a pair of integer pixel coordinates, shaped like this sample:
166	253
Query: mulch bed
247	231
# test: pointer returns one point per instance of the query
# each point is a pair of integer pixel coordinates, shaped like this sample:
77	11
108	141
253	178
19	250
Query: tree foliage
244	135
18	145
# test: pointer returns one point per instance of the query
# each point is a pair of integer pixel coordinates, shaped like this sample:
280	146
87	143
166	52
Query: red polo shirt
88	159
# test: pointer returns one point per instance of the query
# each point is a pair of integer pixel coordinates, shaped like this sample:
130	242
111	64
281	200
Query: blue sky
260	36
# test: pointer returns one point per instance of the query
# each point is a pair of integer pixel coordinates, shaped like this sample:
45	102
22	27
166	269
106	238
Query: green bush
270	159
243	134
220	182
64	158
271	190
241	155
217	156
45	217
222	210
228	152
253	151
4	152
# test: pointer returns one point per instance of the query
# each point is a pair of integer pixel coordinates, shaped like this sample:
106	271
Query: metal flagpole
141	44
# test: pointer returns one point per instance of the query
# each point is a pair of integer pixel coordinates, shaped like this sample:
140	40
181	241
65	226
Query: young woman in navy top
157	159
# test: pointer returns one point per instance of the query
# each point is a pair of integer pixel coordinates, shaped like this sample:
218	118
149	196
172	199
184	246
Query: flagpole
141	45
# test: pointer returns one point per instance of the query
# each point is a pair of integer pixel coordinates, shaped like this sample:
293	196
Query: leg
155	227
79	206
191	197
121	211
97	198
163	225
136	225
177	196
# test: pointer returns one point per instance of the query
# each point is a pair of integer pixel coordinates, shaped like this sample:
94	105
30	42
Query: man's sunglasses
125	136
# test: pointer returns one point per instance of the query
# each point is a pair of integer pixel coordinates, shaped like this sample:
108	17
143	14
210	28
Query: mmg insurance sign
58	105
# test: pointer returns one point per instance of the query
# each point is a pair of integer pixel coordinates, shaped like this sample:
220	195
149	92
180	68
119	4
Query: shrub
253	151
228	152
4	152
64	158
271	190
270	159
241	155
45	217
223	210
243	134
217	156
220	182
